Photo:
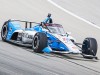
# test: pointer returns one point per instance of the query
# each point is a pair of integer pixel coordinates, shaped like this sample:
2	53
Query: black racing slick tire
4	32
39	42
89	46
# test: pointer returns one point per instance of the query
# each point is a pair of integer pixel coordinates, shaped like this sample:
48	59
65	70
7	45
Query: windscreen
55	28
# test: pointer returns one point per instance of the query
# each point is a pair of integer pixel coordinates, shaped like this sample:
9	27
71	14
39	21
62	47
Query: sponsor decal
74	47
64	39
26	35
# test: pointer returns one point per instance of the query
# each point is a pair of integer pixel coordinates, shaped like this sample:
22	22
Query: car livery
47	37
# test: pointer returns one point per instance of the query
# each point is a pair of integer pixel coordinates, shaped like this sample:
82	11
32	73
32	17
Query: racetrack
15	60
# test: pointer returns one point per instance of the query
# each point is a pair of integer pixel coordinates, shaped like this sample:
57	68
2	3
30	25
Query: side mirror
68	33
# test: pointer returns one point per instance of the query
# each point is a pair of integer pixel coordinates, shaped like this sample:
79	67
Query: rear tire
39	42
4	32
89	46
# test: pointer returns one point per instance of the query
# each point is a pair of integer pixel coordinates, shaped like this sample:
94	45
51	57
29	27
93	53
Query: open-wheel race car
47	37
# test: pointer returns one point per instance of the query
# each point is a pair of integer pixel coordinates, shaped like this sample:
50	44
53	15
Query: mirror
68	33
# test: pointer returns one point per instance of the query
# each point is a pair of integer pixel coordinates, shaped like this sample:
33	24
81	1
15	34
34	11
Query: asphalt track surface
15	60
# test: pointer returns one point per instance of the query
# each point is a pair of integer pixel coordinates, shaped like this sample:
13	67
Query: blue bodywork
12	26
53	42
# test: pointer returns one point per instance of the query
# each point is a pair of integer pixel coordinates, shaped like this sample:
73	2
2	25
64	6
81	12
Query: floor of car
20	43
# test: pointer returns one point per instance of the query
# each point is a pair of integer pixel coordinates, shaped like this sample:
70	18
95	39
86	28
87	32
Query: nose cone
72	48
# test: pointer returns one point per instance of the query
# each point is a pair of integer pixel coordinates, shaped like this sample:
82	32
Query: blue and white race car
47	37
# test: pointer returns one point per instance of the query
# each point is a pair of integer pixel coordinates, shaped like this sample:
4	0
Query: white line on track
73	14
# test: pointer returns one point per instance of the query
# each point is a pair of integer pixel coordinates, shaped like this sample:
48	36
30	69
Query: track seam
83	66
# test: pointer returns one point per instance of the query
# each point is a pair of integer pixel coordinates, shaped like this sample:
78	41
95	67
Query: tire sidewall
35	41
4	33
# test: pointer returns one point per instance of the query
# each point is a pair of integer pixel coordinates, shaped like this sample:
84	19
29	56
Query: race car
47	37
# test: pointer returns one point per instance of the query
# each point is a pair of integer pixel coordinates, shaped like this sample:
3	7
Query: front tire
89	46
39	42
